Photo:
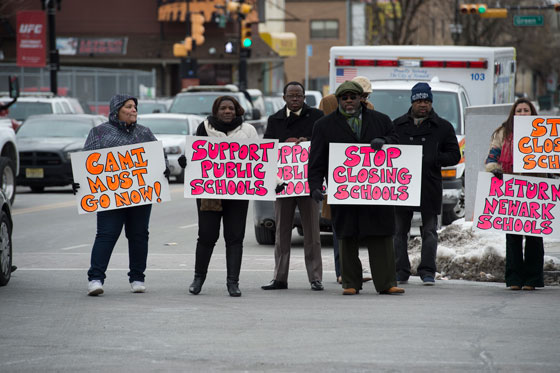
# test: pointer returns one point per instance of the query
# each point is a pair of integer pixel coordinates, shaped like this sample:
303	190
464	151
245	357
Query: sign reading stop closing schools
536	144
518	205
360	175
292	168
123	176
230	169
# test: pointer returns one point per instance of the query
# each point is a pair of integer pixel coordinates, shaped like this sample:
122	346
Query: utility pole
54	61
242	57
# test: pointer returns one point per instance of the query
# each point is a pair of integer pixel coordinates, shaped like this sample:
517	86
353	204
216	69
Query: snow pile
464	253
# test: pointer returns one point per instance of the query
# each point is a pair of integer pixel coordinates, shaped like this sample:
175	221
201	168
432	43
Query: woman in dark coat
373	225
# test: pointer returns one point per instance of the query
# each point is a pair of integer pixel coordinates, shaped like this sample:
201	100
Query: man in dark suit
294	123
374	225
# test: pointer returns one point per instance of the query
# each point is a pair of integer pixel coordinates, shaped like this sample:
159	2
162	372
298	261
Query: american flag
348	73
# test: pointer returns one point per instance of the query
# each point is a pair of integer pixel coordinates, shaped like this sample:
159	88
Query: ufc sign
31	39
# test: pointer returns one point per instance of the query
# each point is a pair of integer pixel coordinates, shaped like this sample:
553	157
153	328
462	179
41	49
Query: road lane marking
43	207
189	226
74	247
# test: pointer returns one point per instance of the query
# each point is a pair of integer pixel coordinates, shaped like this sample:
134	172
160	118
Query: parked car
313	98
273	104
6	226
36	104
148	106
45	143
172	130
198	100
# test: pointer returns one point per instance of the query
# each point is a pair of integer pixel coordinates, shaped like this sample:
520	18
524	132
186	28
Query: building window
324	29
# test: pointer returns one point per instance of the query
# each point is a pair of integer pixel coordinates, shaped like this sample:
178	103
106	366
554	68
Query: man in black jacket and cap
294	123
422	126
373	225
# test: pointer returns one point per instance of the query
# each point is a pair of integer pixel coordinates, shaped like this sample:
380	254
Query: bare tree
391	22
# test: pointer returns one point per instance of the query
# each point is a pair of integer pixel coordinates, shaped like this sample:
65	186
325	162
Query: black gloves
166	173
377	143
280	188
182	161
317	195
498	173
75	187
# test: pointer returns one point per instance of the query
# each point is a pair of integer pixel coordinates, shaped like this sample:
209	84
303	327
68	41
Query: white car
27	105
313	98
172	130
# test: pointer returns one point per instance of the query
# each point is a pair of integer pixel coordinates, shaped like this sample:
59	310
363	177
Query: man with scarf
294	123
422	126
372	225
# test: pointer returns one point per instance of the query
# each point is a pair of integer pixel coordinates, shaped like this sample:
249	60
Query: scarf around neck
225	127
353	120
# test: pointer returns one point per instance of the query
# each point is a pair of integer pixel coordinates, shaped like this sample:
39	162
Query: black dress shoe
274	285
197	283
316	285
233	290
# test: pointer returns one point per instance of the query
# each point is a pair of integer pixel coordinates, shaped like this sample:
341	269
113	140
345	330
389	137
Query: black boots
233	265
197	283
233	289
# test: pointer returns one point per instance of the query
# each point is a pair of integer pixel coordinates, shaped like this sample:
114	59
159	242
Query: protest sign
230	169
518	205
360	175
292	168
536	145
123	176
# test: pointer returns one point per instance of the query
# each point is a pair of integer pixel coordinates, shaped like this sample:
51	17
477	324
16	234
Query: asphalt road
48	323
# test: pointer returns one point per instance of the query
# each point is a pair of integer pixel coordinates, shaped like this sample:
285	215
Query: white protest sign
230	169
359	175
518	205
119	177
536	144
292	168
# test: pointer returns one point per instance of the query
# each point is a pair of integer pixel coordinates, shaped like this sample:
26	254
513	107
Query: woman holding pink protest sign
121	129
226	121
522	271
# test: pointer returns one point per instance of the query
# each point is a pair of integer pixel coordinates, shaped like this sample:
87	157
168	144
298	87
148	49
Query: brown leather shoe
350	291
527	287
392	290
515	287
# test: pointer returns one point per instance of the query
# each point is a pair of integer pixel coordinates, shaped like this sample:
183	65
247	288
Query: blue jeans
109	226
427	266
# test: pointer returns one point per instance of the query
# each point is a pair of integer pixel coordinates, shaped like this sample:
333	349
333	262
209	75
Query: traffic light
182	49
197	28
557	7
495	13
245	8
246	35
477	8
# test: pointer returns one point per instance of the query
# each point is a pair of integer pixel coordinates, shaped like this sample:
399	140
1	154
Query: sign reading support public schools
359	175
292	168
517	205
230	169
536	144
119	177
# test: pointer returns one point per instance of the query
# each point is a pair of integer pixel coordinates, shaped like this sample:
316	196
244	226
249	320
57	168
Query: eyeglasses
291	97
346	97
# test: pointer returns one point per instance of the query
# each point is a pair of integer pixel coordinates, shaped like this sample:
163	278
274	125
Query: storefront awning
283	43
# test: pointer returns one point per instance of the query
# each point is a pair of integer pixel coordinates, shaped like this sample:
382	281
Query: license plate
34	173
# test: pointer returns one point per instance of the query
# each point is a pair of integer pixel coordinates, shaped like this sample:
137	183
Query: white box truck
460	76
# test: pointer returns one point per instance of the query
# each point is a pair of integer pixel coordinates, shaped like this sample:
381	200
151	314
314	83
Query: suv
27	105
199	100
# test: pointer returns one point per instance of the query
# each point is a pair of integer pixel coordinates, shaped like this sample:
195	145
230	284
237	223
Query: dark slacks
427	266
381	261
234	216
109	226
526	270
309	212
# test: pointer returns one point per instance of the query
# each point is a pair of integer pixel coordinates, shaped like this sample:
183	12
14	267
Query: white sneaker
95	287
137	286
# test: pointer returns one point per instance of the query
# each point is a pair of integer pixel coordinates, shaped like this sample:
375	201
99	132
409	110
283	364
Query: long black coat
281	127
439	149
351	220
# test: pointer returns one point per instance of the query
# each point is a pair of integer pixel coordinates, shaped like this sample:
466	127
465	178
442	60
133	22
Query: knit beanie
421	91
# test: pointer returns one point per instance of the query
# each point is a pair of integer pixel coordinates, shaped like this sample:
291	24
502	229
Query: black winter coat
281	127
439	149
351	220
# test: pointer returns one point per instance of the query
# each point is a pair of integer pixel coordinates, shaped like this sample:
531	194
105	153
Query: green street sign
532	20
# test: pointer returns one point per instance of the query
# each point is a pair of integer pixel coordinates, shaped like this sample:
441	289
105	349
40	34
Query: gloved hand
182	161
280	188
75	187
377	143
498	173
317	195
166	173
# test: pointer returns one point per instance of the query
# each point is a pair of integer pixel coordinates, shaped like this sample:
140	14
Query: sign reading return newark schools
359	175
517	205
123	176
536	144
292	168
230	169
